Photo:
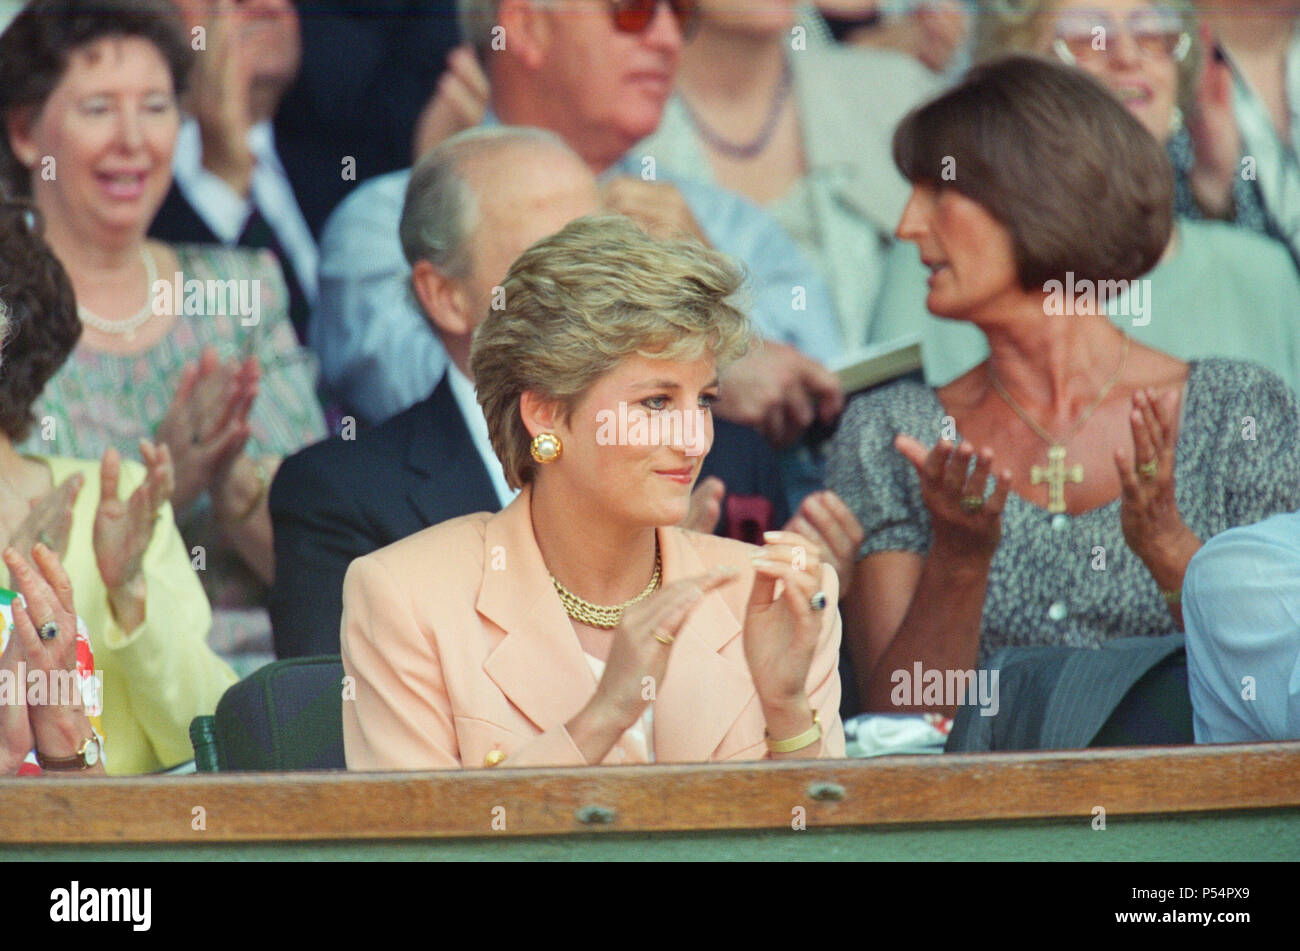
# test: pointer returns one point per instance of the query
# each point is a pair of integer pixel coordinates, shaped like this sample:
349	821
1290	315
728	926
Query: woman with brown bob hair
580	625
1109	461
1218	290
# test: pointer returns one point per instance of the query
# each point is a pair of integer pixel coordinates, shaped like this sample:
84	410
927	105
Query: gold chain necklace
1056	473
599	615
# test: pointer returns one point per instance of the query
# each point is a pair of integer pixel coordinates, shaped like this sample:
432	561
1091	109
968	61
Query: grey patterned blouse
1071	579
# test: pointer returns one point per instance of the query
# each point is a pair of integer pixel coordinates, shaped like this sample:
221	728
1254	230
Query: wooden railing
897	790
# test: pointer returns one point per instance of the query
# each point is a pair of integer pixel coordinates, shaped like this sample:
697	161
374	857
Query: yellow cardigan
163	674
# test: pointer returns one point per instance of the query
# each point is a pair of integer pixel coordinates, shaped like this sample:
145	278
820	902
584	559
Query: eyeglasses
635	16
1157	33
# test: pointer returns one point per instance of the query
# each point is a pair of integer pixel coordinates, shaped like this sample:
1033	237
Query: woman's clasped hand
44	639
781	628
642	642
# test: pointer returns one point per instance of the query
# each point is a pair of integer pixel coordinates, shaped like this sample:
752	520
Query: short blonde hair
580	301
1017	26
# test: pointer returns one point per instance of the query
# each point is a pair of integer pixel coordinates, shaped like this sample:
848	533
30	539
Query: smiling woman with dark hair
1109	461
89	101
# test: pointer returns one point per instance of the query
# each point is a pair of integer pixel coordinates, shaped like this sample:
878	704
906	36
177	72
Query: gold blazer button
494	758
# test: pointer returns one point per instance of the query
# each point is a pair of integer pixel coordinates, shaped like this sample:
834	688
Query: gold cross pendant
1056	473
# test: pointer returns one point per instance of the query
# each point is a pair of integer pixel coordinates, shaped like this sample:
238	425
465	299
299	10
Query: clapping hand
1153	527
658	208
206	426
943	26
827	522
782	629
46	607
963	520
15	728
457	104
1216	138
124	528
220	95
643	640
247	377
45	626
50	518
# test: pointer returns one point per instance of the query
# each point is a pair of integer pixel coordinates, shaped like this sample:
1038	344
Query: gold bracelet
807	738
263	484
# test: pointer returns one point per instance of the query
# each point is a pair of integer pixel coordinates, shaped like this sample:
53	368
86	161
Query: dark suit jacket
368	69
341	499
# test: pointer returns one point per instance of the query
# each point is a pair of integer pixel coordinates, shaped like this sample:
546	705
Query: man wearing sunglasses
598	73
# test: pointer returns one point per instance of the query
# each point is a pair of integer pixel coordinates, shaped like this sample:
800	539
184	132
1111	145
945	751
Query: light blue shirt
379	355
462	390
1241	609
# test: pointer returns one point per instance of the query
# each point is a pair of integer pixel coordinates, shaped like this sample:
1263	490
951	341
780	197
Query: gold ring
972	503
664	639
1148	470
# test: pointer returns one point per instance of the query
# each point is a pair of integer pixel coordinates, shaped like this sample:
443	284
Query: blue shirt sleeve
1241	610
791	301
377	351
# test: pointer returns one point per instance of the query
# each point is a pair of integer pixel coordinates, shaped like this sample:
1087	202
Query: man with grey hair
473	204
599	76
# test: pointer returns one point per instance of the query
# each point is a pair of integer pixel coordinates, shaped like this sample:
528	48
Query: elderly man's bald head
475	203
480	173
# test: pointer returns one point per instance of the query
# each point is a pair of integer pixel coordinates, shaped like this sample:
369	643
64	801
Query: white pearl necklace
127	328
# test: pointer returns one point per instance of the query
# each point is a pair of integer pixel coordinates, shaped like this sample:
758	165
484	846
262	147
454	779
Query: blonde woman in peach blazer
580	625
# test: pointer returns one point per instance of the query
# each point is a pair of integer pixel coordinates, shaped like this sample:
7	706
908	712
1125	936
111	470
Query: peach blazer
461	652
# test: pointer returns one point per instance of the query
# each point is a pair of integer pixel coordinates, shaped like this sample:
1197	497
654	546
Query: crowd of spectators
290	339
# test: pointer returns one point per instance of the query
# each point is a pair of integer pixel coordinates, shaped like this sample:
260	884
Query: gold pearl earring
546	447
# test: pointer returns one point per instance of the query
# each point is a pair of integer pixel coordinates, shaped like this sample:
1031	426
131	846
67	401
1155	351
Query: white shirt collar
467	400
226	213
